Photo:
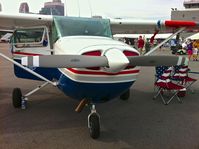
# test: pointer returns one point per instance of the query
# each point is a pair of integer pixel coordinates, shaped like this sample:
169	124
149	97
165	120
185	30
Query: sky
141	9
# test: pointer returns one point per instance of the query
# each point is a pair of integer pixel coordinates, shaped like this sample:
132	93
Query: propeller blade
82	61
65	61
157	60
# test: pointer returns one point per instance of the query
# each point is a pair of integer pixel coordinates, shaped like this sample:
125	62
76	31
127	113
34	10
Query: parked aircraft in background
6	37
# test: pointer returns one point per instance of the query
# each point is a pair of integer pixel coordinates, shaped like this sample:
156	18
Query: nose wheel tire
16	97
125	95
94	126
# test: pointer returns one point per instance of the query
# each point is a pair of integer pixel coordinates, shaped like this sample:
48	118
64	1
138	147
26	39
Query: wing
6	31
10	21
128	26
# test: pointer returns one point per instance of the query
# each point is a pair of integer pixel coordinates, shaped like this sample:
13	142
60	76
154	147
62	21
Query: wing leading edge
118	26
10	21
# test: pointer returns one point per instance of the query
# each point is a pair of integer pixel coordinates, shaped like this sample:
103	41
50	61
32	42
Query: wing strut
166	40
28	70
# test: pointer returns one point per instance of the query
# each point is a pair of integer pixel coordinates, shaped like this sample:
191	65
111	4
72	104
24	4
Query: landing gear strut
20	101
94	123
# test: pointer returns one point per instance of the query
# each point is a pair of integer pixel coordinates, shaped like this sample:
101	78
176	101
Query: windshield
70	26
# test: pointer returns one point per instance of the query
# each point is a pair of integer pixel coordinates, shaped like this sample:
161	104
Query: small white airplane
80	57
6	37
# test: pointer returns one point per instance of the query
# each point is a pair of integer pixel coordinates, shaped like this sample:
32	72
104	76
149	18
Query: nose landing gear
93	118
94	123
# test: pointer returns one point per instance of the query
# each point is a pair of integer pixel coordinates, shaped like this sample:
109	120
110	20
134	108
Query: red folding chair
164	85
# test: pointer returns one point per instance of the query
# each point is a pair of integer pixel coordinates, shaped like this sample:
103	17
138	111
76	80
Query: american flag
160	70
164	73
180	72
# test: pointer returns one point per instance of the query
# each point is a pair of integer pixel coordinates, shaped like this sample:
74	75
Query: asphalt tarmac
140	123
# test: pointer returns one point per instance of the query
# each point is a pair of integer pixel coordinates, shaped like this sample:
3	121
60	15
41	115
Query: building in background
191	4
24	8
56	7
190	12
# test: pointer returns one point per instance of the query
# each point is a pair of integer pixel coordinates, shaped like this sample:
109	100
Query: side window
31	37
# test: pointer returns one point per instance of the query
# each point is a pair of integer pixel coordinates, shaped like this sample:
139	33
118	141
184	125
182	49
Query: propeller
82	61
65	61
157	60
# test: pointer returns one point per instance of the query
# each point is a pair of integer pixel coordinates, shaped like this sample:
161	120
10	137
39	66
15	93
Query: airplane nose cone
117	61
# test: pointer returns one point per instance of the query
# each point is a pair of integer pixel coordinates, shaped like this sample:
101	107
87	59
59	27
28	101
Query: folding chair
181	76
164	84
159	70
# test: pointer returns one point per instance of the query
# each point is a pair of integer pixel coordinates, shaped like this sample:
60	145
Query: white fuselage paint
74	45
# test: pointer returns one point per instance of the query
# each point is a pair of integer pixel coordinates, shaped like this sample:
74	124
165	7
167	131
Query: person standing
189	48
195	50
147	46
173	46
141	45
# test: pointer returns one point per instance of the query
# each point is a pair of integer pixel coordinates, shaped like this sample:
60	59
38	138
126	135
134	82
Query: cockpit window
69	26
29	37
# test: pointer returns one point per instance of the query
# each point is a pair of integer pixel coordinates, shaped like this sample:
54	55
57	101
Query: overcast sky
143	9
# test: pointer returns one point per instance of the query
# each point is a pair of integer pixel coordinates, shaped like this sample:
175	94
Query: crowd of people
141	44
189	47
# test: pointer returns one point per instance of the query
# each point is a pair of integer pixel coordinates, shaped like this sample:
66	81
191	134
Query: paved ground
140	123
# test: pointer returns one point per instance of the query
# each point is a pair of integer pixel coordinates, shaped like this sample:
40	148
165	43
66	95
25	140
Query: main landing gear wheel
125	95
94	123
16	97
18	100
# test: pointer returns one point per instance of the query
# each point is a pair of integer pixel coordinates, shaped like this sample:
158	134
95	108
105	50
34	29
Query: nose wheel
125	95
94	123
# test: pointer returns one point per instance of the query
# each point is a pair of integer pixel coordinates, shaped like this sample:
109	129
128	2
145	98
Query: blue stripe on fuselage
97	92
49	73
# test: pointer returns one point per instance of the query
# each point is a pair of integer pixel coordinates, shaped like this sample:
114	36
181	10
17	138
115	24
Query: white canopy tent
194	36
146	36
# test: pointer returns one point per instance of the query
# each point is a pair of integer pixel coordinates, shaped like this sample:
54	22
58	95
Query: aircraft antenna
89	2
65	11
78	7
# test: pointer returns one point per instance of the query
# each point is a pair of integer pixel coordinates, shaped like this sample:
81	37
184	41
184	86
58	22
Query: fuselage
96	84
92	83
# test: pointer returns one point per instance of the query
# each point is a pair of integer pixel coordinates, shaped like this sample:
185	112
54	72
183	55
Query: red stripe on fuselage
101	73
26	54
180	23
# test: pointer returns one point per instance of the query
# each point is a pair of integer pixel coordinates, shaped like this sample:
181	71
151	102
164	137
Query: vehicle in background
6	37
